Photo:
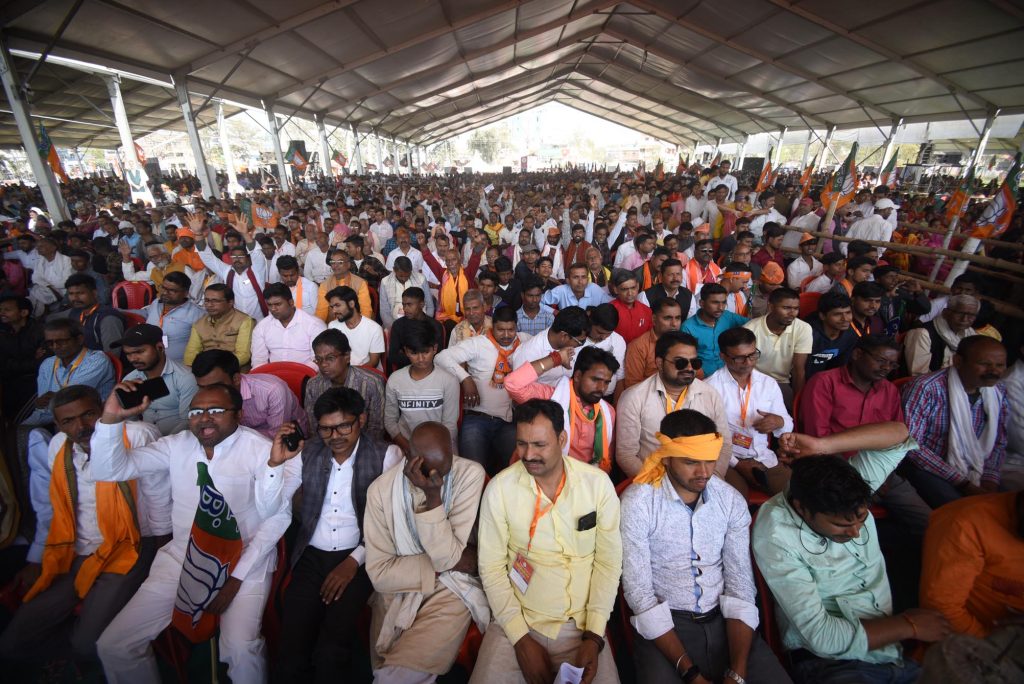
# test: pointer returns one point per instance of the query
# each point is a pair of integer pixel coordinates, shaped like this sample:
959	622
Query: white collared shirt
152	496
338	528
260	497
765	396
272	341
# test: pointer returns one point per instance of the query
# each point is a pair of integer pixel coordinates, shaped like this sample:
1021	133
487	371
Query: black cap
141	335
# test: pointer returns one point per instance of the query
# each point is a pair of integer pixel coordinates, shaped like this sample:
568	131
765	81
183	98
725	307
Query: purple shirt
268	403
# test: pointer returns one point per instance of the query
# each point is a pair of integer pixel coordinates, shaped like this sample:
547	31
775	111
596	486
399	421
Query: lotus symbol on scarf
202	577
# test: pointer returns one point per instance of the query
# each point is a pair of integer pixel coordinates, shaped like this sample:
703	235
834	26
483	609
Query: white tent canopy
685	71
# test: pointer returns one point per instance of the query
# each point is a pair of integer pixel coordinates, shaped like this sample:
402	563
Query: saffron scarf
452	290
503	365
596	416
698	448
118	522
214	547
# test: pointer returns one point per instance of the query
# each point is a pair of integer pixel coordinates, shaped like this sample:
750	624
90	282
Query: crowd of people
511	405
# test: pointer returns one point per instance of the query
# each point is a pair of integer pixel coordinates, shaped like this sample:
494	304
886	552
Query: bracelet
556	358
913	626
596	638
734	676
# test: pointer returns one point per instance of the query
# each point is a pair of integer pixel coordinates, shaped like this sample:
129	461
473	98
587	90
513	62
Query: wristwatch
690	674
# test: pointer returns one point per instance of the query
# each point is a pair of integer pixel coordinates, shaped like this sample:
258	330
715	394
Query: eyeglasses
239	257
579	342
341	429
683	363
336	262
748	357
706	251
330	358
59	342
211	411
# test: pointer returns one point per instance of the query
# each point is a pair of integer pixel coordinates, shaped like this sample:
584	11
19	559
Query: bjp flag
995	218
766	173
842	186
956	203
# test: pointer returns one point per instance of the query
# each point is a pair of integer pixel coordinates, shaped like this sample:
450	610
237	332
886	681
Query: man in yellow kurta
550	559
418	525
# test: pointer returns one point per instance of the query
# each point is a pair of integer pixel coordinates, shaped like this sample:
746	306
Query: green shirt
823	588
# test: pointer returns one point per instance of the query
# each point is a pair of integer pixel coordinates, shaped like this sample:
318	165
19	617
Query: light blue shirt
707	337
177	325
170	413
95	370
563	296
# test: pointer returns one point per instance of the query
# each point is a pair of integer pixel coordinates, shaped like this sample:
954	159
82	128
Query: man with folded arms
686	573
550	559
421	559
94	540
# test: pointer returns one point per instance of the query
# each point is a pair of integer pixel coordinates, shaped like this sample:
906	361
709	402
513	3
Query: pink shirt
522	385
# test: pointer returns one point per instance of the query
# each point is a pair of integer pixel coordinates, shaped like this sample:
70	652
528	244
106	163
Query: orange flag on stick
995	218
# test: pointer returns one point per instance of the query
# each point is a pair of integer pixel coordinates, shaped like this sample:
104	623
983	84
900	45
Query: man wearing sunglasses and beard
675	386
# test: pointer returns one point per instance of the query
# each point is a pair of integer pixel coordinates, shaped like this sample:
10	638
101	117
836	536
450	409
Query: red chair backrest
295	374
900	382
131	294
808	303
132	319
118	368
17	277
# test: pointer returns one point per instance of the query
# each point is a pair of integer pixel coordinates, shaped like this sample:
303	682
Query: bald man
422	560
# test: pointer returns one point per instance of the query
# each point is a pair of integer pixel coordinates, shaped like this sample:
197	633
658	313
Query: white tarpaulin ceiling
421	71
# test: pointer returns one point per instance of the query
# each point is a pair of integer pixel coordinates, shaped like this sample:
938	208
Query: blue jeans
824	671
487	440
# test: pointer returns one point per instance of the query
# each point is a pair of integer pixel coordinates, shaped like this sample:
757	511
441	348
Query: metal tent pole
275	140
325	148
45	179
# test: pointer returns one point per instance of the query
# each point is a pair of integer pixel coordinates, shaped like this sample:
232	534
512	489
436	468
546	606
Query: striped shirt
926	406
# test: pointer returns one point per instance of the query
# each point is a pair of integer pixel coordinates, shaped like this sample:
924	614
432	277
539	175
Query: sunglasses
682	364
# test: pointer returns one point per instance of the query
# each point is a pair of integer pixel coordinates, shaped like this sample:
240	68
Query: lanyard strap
167	311
85	314
74	366
539	513
671	407
745	404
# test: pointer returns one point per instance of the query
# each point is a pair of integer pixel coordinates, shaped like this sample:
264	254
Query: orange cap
771	274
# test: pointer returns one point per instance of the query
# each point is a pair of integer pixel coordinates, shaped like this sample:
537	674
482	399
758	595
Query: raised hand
279	452
113	412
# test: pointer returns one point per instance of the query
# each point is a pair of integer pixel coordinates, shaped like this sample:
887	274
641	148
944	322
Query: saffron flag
214	547
297	160
805	179
842	186
955	204
888	177
48	152
766	174
995	217
717	160
659	172
681	166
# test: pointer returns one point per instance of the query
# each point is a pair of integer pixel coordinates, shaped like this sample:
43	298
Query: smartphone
292	439
154	388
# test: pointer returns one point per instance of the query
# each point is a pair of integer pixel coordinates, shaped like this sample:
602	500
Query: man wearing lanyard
174	314
675	386
753	402
71	364
565	559
101	325
867	300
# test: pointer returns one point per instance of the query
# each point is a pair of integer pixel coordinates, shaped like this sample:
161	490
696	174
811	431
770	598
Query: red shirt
633	321
831	403
762	257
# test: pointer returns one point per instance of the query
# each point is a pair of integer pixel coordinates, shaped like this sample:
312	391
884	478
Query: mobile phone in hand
154	388
292	439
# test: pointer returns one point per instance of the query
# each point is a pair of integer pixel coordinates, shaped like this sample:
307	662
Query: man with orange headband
687	574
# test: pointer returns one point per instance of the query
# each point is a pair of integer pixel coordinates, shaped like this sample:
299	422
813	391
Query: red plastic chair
378	371
769	625
295	374
132	319
808	303
118	368
129	294
900	382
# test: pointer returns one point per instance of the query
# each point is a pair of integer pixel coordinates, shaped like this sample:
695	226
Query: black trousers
316	638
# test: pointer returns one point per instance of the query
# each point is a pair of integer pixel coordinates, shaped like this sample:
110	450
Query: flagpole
945	245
